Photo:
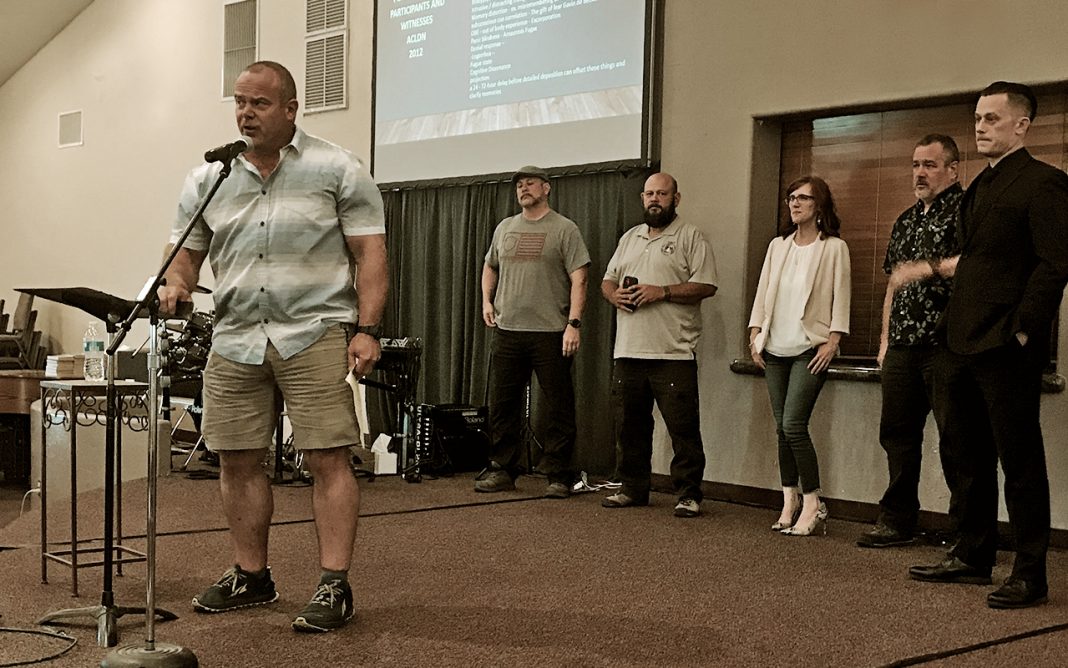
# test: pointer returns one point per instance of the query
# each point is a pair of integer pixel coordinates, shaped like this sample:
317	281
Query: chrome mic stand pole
151	653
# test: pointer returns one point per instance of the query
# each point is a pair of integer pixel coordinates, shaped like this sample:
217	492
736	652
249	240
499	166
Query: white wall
727	61
146	73
147	76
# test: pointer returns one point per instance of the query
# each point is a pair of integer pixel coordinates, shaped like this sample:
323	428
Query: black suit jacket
1014	257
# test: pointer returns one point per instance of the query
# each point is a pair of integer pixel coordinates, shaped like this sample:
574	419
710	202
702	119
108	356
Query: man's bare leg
336	504
249	504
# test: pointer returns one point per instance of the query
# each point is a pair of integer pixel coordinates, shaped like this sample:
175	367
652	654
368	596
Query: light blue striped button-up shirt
283	271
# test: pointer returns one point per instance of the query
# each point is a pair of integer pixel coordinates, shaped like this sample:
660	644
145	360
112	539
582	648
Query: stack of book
64	366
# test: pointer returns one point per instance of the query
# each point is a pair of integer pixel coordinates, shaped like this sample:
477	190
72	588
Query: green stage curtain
438	234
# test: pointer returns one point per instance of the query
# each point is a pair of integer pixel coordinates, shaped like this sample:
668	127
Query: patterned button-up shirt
918	236
283	271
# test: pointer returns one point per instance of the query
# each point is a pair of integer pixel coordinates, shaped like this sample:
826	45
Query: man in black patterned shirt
924	233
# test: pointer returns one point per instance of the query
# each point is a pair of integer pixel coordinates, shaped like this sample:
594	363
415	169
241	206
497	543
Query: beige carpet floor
447	577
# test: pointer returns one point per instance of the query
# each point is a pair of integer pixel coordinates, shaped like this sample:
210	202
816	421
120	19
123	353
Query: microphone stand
151	653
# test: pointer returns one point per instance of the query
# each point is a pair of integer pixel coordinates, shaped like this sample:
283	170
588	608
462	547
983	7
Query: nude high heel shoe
780	525
819	524
783	526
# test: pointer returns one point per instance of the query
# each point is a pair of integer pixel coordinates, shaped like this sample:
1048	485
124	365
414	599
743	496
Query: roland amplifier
461	417
461	433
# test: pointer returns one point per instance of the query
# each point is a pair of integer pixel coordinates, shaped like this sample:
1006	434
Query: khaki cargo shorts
239	399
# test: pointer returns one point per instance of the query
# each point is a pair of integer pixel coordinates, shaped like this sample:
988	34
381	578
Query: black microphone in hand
227	152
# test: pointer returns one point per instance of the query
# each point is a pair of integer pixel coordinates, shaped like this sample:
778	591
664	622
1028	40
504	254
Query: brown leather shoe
951	569
1017	593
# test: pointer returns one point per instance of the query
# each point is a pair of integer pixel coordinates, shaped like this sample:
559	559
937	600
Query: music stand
111	310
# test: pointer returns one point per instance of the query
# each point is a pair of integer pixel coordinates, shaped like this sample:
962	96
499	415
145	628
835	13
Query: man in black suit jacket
1008	282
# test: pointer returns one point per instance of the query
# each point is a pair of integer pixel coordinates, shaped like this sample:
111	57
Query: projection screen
471	87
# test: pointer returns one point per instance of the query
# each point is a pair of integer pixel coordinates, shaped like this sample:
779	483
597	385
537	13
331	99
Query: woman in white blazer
800	313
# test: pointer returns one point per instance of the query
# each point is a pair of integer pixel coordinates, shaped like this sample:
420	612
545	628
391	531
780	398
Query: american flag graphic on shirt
524	246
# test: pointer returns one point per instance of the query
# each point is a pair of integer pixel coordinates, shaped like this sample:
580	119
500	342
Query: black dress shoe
885	536
951	569
1017	593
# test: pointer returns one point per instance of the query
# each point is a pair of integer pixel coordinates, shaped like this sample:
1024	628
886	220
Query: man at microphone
296	241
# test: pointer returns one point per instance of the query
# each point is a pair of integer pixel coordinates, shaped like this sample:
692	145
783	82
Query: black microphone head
227	152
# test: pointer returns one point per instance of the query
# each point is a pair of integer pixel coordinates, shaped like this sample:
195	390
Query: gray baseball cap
530	170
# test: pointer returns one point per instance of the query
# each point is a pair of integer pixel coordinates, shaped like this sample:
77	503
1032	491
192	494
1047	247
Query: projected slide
483	86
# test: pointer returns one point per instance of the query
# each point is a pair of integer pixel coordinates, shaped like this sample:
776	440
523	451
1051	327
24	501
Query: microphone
227	152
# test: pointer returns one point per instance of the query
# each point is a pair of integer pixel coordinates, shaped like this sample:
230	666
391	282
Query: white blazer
827	300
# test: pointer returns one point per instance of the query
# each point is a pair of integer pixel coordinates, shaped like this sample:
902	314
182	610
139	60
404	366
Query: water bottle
93	348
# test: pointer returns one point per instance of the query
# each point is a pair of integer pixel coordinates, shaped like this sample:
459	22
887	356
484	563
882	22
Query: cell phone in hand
629	281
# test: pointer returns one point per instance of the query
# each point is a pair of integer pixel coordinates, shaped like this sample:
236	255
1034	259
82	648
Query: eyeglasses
799	198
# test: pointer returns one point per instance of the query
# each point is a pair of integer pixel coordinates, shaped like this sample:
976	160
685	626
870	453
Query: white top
786	337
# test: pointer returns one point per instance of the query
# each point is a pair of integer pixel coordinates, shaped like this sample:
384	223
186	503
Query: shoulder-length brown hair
827	221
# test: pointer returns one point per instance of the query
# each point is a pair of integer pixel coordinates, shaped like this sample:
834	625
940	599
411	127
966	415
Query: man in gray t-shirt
533	295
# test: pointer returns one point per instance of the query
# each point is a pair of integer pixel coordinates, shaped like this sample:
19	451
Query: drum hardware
184	349
288	460
189	353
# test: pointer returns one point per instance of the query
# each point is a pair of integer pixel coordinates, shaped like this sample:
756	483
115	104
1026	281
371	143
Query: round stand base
161	654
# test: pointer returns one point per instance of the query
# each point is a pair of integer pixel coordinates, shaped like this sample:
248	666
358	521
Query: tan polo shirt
662	330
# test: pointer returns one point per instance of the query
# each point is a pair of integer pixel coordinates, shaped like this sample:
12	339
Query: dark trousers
909	393
991	413
514	356
793	391
672	384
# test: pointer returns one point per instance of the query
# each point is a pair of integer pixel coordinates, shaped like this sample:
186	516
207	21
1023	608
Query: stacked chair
20	343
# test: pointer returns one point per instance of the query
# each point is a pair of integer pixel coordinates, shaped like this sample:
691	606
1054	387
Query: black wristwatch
575	322
374	331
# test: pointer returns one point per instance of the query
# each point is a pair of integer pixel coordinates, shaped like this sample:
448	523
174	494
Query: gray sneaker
495	481
687	507
330	608
236	589
557	490
622	500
